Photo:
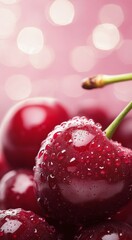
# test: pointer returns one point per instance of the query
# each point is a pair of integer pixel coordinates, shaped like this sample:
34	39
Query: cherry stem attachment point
110	130
99	81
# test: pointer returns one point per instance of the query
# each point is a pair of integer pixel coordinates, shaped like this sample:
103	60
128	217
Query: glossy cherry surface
106	231
17	190
26	125
81	176
18	224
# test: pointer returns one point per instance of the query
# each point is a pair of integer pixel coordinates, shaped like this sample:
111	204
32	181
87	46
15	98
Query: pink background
72	52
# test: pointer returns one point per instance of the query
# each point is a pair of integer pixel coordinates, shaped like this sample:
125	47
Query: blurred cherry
17	190
25	126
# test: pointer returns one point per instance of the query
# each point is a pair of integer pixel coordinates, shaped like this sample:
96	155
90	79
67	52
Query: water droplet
40	153
35	230
61	155
117	162
52	156
52	181
57	134
45	156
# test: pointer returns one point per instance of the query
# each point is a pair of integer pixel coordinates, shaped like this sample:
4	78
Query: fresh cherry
19	224
25	126
17	190
81	175
4	167
106	231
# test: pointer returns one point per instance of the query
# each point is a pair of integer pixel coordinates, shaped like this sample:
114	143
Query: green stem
113	126
99	81
109	79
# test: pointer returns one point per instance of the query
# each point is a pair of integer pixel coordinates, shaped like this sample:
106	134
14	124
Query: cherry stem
99	81
110	130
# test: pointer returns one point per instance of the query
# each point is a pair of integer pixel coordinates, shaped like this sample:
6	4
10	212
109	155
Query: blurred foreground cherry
19	224
106	231
81	175
17	190
25	126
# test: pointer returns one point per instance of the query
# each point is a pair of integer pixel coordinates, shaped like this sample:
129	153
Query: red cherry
19	224
81	175
25	126
106	231
124	133
17	190
4	167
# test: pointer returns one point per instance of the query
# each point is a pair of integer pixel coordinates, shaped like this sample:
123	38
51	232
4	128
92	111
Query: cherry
106	231
80	174
92	110
17	190
124	133
19	224
25	126
4	167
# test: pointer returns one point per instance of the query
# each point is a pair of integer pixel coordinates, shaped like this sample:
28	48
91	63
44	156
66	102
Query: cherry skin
4	167
124	133
17	190
81	176
106	231
19	224
25	126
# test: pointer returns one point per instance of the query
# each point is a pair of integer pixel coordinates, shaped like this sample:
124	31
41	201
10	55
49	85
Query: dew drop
61	155
40	153
56	135
52	156
45	156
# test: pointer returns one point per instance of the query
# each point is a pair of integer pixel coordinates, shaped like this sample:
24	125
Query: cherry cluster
61	177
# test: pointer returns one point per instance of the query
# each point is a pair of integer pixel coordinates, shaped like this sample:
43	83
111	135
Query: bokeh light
111	13
7	22
62	12
83	58
9	1
106	36
48	47
30	40
43	59
18	87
